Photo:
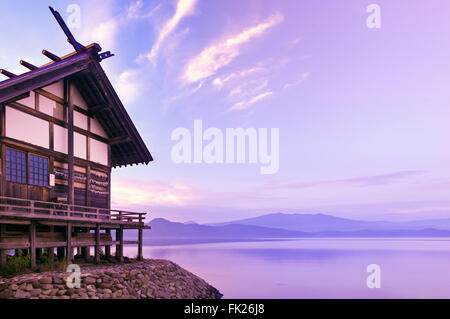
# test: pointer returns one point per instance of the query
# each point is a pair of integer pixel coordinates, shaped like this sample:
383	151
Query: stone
90	280
47	286
20	294
130	280
53	292
13	287
46	280
105	285
7	293
91	288
23	286
35	292
61	292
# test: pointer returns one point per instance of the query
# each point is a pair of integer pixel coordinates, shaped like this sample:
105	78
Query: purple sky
363	113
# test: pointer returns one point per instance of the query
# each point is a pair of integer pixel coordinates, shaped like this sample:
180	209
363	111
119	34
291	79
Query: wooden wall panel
99	188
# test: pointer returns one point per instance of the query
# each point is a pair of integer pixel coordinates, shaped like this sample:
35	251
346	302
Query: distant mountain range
279	225
322	222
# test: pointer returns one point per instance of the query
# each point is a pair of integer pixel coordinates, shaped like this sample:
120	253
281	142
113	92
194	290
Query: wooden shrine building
63	128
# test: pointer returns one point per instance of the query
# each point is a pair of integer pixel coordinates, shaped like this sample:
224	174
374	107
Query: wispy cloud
103	24
184	8
218	55
249	88
301	78
357	181
220	81
100	25
136	10
248	103
128	85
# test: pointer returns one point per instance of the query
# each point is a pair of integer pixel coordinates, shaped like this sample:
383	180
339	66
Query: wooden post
38	253
3	252
70	144
33	243
86	253
69	243
50	254
88	178
60	252
97	243
51	250
119	247
108	247
140	244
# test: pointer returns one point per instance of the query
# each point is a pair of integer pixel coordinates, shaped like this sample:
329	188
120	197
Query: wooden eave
87	75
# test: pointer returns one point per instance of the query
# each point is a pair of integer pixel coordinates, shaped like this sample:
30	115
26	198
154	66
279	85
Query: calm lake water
317	268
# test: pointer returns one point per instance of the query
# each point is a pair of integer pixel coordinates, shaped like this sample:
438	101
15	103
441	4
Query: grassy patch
16	264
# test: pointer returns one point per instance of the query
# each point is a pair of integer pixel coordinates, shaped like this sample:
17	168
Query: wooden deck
48	225
30	209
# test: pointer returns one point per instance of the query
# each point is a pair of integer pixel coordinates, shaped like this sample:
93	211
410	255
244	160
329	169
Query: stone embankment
135	280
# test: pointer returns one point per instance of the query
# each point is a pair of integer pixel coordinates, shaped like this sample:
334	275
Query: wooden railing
11	206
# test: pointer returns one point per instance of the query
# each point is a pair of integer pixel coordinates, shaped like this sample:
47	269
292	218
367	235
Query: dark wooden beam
97	243
119	247
28	65
7	73
70	142
3	252
70	38
108	247
51	254
33	244
119	140
42	77
69	243
140	239
17	98
51	56
94	109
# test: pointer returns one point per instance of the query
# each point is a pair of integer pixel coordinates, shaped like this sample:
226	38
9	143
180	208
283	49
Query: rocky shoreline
151	278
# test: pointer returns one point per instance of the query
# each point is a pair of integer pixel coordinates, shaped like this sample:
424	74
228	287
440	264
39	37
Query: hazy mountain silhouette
161	227
165	232
322	222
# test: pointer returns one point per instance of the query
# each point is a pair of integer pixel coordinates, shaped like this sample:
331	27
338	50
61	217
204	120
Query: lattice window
16	166
38	170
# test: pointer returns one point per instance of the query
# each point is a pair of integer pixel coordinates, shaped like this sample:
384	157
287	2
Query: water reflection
317	268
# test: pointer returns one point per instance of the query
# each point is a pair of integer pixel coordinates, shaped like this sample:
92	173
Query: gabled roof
84	70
